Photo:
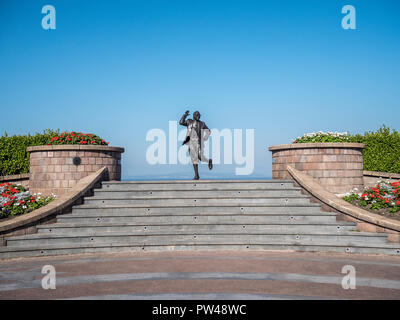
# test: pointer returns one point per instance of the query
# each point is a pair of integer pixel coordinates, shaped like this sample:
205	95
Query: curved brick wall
52	168
336	166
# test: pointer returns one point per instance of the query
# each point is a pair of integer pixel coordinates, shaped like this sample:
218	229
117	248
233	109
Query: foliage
382	150
13	156
15	200
76	138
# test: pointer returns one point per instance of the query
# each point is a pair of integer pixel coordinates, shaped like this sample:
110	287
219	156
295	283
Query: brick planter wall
22	179
336	166
371	178
56	169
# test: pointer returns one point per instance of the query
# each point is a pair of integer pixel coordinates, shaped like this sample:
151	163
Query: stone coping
23	176
383	175
57	205
317	145
314	188
74	147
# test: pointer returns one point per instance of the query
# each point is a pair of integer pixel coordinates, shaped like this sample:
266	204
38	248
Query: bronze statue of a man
197	133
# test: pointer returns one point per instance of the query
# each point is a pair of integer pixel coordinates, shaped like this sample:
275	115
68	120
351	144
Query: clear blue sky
120	68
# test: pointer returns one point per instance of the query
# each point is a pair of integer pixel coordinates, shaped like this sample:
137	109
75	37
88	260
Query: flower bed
77	138
320	136
382	199
16	200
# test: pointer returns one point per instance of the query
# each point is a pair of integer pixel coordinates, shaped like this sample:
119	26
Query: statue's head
196	115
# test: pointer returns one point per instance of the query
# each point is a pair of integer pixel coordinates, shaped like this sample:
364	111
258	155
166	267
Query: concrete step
79	248
195	194
310	208
185	211
248	201
197	185
200	219
148	237
93	228
200	215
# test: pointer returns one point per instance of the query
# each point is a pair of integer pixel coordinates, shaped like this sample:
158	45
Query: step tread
223	214
196	190
110	224
61	246
127	206
195	182
300	196
157	233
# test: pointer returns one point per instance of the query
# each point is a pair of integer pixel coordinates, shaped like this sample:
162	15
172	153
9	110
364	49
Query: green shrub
382	150
13	156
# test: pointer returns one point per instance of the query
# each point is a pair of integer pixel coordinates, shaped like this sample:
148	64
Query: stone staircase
197	215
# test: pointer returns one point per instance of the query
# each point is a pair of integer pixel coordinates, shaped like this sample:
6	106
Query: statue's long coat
197	133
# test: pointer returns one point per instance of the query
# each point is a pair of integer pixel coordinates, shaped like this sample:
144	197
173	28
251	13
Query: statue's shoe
196	178
210	165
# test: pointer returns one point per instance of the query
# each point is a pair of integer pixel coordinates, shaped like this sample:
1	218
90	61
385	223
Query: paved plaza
216	275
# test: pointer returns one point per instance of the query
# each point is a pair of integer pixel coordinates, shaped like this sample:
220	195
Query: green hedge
382	150
13	156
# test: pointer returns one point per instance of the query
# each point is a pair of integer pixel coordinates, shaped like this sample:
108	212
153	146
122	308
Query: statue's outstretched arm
183	121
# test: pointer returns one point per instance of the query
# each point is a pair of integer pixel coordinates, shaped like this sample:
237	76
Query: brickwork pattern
372	178
339	170
55	172
22	179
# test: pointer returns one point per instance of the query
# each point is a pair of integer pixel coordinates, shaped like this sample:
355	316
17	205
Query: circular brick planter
57	168
336	166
